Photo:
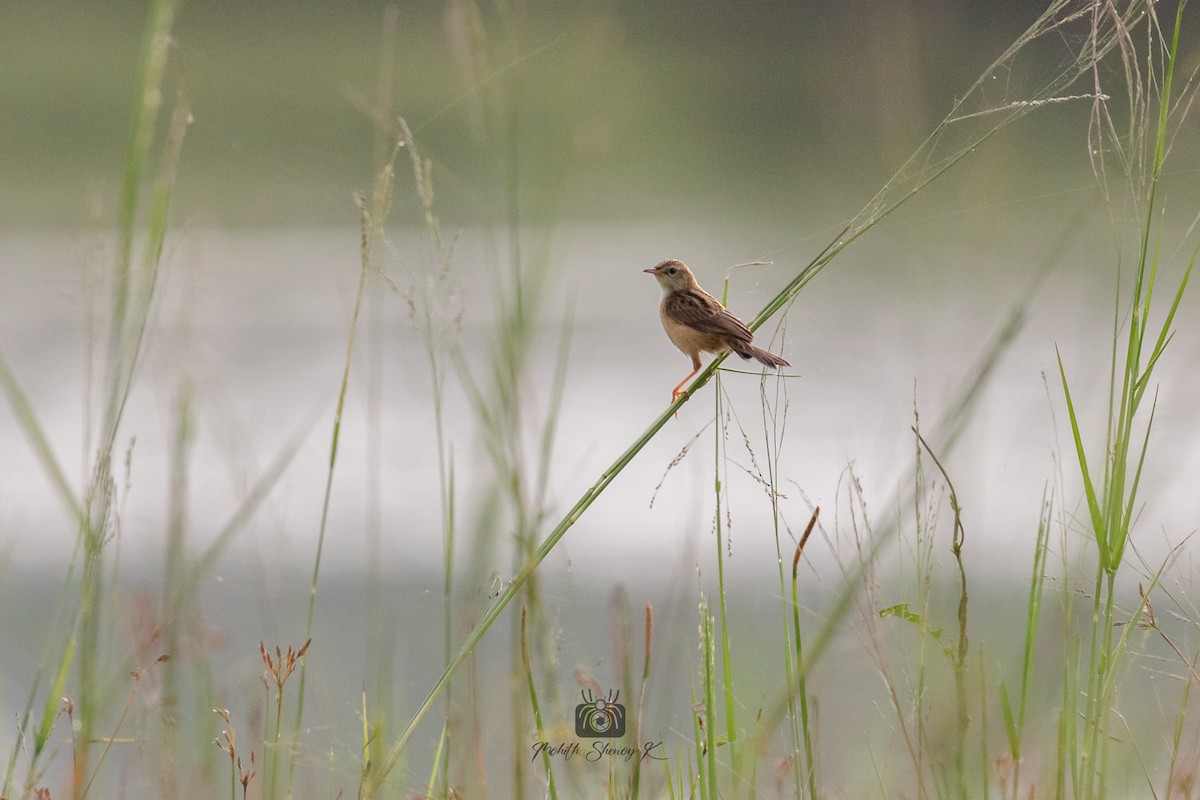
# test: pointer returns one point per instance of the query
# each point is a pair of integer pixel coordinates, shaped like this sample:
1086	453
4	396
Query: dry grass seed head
283	665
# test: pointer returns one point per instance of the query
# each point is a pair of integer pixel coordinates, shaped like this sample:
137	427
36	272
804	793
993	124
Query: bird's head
673	275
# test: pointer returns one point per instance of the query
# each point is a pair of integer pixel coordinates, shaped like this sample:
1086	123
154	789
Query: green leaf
902	611
1098	527
1010	723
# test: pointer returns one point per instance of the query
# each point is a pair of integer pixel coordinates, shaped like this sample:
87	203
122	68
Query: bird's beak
651	270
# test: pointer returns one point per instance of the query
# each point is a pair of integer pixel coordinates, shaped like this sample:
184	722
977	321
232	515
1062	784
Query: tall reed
1112	493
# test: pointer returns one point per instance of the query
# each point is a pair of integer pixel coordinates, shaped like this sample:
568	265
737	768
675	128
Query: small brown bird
696	321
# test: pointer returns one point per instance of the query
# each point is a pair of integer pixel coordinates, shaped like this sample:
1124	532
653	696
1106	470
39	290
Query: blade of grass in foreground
533	702
28	422
793	664
372	217
1112	492
719	454
133	299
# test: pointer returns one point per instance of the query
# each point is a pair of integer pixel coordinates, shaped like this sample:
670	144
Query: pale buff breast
689	340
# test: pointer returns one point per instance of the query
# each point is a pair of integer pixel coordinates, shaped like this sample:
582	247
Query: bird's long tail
761	356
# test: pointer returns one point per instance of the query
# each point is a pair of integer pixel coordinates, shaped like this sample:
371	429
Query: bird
696	321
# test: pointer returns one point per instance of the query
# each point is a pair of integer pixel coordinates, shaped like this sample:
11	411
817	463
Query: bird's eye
672	271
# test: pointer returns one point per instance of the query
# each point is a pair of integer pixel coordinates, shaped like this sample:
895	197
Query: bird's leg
678	390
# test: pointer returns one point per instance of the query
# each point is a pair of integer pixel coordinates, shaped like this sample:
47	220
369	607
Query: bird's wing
700	310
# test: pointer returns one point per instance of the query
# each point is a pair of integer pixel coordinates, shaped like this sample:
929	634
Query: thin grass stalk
1065	762
36	434
1117	650
23	720
90	597
424	306
1092	710
962	719
921	753
670	784
203	564
174	564
731	737
1181	716
985	734
131	308
156	233
809	765
963	715
367	737
799	730
958	654
233	778
379	617
279	670
635	782
1015	724
53	701
328	492
752	780
621	629
476	726
108	742
527	663
790	661
1070	741
271	749
447	600
371	219
699	747
708	652
1097	782
1109	666
148	100
438	764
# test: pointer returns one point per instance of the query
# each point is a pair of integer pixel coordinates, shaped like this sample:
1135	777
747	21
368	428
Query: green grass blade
527	662
1130	502
731	733
1164	335
37	439
50	711
245	511
1010	723
372	219
708	651
1098	526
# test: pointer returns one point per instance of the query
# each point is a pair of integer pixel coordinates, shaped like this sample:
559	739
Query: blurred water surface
253	328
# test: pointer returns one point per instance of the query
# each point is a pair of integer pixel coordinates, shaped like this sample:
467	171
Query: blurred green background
617	110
